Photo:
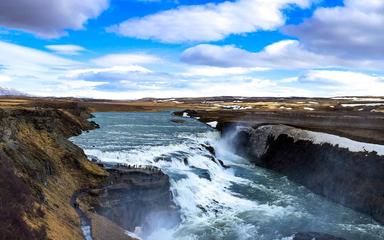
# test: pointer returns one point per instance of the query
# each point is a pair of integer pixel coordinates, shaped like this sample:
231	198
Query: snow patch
361	104
212	124
235	107
360	99
320	138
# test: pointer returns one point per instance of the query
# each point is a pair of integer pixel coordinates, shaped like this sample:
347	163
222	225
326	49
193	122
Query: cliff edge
348	172
40	170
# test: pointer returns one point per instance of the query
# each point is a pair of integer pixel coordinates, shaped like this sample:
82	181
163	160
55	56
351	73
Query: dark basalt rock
202	173
209	148
315	236
222	164
137	197
353	179
180	121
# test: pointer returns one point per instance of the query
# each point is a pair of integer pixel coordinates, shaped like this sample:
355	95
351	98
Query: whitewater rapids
240	202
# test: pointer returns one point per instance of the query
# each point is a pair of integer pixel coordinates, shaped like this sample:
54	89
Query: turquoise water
241	202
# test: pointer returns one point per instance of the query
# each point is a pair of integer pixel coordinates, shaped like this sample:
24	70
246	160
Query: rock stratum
46	181
47	184
347	172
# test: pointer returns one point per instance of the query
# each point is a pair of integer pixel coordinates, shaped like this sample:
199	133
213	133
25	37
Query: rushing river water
241	202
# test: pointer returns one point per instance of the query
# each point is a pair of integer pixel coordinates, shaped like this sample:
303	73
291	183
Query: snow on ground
165	100
320	138
352	145
361	104
235	107
359	99
211	102
212	124
185	114
309	109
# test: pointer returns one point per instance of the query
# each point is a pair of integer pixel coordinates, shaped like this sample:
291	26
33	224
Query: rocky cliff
42	173
347	172
136	198
40	169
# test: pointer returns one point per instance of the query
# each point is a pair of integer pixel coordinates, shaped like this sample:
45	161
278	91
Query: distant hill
11	92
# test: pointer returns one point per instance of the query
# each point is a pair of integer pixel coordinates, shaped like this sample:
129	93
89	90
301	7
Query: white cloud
45	74
126	59
285	54
66	49
23	58
341	83
354	30
48	18
30	70
5	78
115	69
209	22
79	84
210	71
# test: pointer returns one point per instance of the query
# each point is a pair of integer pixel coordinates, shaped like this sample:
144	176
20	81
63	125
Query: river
239	202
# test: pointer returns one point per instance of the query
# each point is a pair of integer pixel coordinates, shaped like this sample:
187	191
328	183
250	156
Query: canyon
47	182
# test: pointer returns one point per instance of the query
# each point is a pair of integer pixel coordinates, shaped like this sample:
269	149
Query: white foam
193	193
133	235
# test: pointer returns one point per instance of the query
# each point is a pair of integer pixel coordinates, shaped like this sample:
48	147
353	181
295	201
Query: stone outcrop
135	198
352	178
47	182
40	169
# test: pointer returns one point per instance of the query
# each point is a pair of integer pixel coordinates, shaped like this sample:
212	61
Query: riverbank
41	169
42	174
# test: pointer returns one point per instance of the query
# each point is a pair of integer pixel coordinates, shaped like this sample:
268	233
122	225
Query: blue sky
124	49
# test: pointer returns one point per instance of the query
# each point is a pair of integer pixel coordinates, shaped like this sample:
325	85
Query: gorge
158	175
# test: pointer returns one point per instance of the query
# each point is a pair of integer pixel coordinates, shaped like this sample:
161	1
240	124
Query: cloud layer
285	54
49	19
66	49
209	22
354	30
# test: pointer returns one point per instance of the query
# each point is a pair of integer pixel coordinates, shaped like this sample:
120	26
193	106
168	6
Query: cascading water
239	202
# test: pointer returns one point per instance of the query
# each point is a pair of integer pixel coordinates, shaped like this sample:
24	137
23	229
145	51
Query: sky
129	49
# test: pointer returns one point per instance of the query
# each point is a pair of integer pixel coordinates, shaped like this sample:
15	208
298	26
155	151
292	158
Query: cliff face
352	178
134	198
40	170
47	183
